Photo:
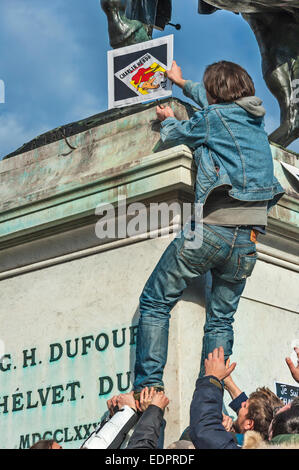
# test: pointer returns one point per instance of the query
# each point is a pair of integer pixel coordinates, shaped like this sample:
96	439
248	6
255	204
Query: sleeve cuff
187	87
167	121
213	380
235	404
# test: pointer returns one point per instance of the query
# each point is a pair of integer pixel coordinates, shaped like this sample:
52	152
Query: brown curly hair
261	406
226	82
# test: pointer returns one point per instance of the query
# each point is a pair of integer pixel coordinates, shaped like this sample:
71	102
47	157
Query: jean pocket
199	256
246	263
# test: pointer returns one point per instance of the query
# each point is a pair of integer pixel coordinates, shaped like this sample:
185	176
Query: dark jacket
147	431
206	430
236	403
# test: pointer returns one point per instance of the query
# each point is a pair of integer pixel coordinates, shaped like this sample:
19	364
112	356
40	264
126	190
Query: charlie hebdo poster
137	73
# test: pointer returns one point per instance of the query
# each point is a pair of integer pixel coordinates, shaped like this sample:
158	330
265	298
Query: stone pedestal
69	300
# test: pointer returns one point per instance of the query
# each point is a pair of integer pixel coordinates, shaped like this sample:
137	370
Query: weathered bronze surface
276	28
155	12
251	6
274	23
123	31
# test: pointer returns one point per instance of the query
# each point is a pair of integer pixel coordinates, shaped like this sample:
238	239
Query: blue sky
53	61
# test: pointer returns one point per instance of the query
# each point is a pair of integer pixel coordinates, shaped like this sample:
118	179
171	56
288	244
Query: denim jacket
231	149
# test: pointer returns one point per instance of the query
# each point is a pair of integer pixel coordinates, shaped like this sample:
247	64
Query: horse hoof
285	134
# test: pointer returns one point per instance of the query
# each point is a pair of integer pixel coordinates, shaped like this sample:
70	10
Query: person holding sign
236	185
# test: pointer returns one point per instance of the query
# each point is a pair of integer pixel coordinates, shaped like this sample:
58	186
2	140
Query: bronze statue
123	31
275	24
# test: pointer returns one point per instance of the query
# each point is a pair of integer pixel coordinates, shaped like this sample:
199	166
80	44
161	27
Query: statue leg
277	36
122	31
282	84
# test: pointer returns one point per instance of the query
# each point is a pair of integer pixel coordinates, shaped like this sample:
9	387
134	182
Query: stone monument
69	299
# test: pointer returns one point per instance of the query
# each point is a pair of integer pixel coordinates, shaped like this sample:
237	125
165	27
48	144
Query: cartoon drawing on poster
137	73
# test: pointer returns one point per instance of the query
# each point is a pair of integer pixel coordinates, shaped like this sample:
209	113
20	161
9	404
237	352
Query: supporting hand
215	365
111	404
160	400
164	112
126	399
230	385
146	396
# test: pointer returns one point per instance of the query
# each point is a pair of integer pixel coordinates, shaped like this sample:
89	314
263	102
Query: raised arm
195	91
192	132
206	428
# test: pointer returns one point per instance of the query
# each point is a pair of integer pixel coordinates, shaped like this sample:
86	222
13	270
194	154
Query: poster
136	74
286	392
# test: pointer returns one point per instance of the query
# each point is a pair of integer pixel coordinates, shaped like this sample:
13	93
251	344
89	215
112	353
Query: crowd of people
136	421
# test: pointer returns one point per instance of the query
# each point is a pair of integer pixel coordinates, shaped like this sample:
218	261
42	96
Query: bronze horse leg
277	36
122	31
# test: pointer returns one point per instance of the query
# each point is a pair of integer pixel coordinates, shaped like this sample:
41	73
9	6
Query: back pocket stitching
200	264
251	256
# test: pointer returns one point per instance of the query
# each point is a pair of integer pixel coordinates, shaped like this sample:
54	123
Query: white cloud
87	106
46	71
13	133
36	26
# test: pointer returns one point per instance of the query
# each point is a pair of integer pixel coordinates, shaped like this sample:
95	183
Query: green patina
61	176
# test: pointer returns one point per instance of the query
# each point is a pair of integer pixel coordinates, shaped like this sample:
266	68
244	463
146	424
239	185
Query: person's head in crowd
256	413
285	420
46	444
181	444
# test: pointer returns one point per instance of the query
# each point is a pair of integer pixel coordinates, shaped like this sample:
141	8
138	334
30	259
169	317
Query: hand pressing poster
137	73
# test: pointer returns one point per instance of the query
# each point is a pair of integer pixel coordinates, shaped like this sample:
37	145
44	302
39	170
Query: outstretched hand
175	75
215	365
293	369
228	381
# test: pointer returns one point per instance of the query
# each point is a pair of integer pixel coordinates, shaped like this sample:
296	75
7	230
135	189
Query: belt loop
234	239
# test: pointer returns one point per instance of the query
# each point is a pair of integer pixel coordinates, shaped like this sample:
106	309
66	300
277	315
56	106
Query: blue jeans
230	255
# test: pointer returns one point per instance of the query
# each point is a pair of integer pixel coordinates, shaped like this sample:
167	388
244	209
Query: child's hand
164	112
175	75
